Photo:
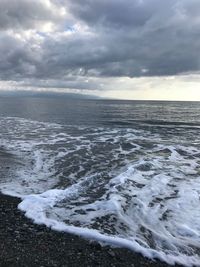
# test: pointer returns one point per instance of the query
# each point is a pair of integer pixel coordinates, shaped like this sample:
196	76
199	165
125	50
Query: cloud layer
74	43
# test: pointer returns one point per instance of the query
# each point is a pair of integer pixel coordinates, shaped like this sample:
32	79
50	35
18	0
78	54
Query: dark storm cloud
17	58
103	38
25	14
111	13
151	37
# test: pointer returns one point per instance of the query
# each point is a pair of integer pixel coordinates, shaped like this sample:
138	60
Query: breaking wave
132	187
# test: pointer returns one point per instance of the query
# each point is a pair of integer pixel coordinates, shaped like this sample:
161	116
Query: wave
127	187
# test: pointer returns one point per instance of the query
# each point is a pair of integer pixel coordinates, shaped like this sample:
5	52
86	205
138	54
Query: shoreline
24	244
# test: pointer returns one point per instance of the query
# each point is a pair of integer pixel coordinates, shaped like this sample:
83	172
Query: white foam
137	190
34	207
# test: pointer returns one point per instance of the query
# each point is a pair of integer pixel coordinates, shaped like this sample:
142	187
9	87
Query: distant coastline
26	93
79	96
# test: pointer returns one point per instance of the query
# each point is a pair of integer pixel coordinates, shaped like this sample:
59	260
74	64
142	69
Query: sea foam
126	187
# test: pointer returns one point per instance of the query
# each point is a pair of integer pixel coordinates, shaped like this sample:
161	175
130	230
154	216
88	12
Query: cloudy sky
130	49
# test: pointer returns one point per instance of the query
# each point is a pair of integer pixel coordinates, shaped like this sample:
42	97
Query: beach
103	177
23	243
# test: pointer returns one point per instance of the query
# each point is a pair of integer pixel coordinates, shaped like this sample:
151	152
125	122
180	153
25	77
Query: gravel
25	244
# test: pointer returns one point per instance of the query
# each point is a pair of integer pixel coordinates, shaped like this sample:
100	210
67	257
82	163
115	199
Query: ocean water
125	173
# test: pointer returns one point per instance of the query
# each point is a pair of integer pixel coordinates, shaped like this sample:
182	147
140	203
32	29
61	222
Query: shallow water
122	172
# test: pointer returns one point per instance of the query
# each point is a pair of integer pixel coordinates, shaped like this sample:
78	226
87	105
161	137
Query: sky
126	49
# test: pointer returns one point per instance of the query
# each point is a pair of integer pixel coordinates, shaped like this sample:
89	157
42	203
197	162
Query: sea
123	173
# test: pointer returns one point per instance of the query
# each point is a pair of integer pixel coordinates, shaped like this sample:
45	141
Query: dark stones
24	244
